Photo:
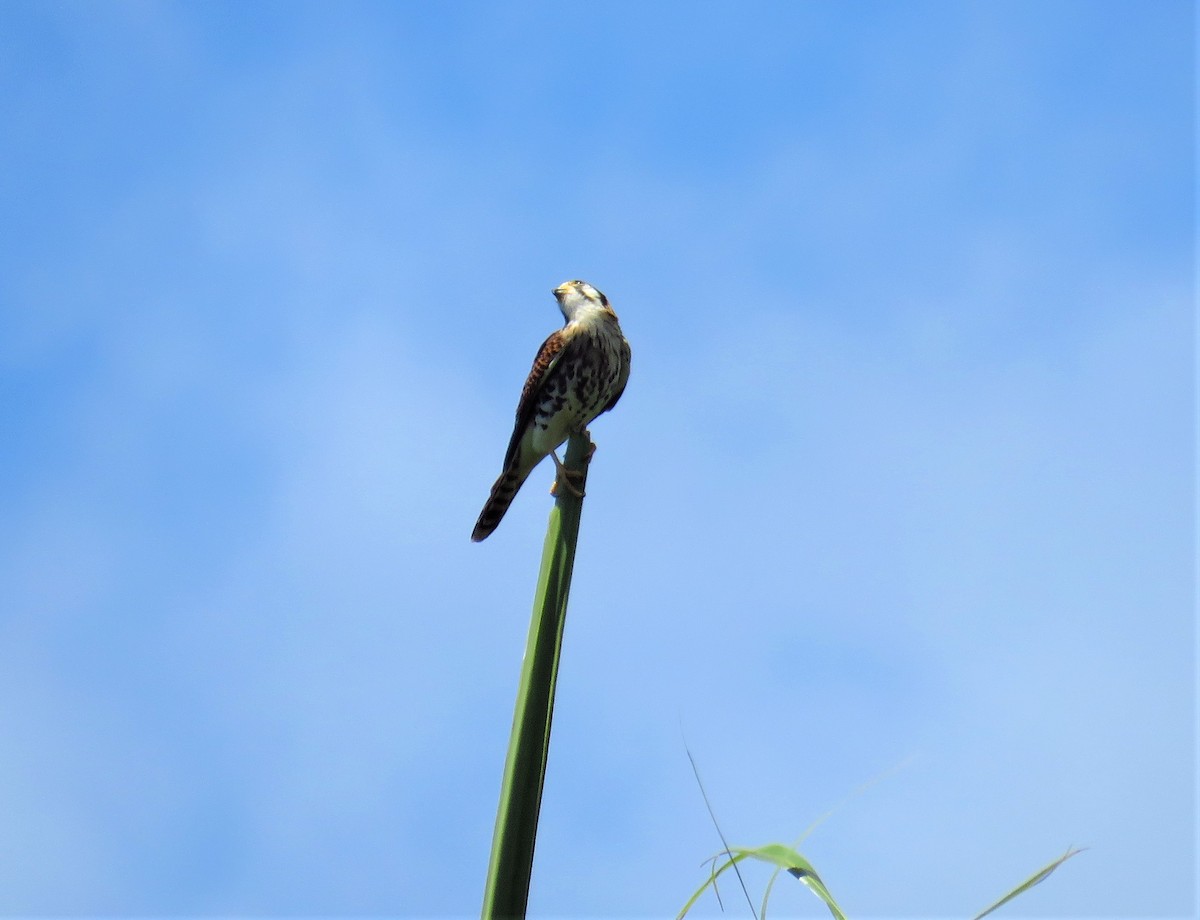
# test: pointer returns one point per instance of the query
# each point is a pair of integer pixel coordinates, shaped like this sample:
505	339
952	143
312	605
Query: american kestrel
580	372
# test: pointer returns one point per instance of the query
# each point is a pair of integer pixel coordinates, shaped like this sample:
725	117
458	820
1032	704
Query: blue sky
903	483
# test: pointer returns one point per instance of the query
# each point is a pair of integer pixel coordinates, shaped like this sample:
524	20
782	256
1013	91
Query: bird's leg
564	477
591	446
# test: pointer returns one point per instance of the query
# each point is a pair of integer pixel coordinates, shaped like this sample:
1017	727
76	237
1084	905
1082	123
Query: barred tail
503	492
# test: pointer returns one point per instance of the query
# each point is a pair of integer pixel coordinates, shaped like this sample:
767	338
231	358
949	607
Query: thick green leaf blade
507	891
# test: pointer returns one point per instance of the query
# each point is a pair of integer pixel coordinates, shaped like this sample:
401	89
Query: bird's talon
564	478
566	483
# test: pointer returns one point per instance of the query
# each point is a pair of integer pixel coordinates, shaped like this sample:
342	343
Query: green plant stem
511	865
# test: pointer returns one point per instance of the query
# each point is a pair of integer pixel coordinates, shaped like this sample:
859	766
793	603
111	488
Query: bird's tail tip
503	492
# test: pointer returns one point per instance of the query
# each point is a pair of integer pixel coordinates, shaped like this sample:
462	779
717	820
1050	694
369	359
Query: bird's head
578	298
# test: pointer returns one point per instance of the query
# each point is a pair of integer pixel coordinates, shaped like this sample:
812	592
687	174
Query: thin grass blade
1036	878
779	855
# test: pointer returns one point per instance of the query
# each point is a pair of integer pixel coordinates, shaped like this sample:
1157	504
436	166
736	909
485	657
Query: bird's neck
589	315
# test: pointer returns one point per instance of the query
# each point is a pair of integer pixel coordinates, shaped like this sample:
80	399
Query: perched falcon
580	372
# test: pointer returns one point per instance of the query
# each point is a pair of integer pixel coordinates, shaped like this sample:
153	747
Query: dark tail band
503	492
